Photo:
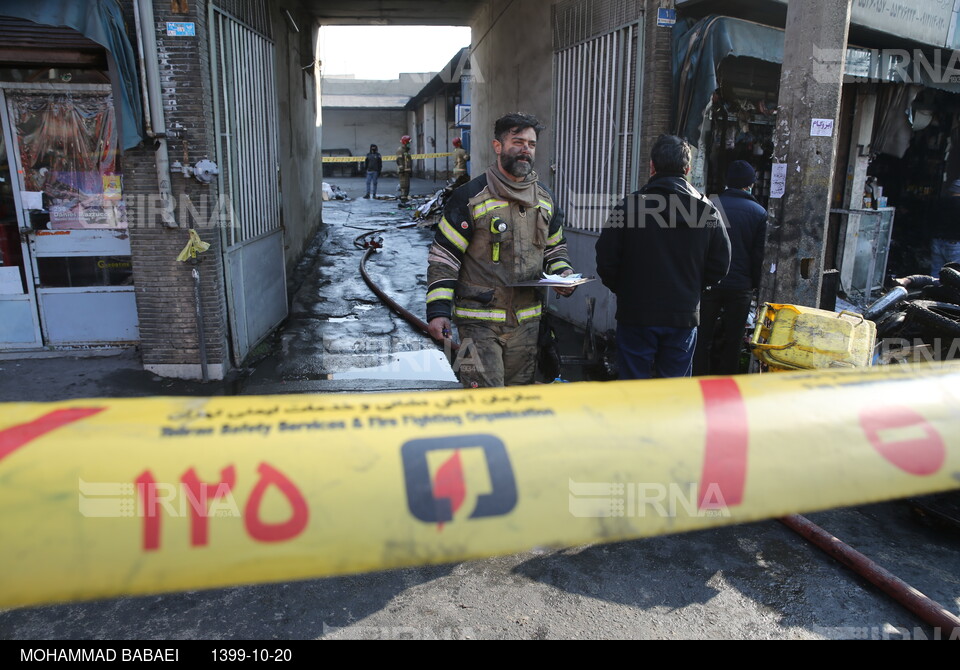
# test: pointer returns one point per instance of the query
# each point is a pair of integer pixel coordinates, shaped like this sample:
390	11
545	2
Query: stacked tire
937	313
931	316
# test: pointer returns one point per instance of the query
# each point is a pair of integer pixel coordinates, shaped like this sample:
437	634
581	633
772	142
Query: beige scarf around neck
523	192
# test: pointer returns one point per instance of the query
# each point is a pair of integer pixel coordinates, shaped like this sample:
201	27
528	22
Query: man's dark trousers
654	351
723	318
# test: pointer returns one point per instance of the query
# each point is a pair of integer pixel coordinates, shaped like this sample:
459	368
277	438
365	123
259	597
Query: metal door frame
252	181
13	162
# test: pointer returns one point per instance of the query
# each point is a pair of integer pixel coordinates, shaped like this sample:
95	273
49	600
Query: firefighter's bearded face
517	152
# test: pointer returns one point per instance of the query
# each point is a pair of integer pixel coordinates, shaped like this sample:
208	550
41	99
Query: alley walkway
339	336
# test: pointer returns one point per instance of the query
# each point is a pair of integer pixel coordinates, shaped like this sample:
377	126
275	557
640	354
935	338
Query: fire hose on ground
924	607
370	243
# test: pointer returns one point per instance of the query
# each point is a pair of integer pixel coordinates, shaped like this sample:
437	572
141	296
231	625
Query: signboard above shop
926	21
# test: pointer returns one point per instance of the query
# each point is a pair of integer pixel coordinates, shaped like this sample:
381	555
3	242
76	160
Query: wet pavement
339	336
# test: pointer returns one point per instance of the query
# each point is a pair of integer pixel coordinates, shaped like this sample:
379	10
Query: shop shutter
597	57
27	42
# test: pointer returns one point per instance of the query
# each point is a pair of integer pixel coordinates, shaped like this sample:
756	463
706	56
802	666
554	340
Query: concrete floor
339	336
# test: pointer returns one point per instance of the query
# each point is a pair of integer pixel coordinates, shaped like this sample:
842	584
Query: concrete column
810	87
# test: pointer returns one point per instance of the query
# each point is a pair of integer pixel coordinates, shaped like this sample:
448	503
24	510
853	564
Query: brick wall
657	82
164	286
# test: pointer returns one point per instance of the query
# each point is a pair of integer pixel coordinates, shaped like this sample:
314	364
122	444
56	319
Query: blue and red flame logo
437	499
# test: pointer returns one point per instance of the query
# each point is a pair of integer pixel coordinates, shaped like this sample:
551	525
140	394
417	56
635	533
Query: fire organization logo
436	477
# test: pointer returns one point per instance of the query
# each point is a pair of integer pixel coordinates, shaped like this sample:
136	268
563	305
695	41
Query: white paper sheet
32	199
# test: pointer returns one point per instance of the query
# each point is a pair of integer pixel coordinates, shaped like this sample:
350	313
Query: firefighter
502	228
404	167
460	158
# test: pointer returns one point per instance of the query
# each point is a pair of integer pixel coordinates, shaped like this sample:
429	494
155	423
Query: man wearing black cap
724	308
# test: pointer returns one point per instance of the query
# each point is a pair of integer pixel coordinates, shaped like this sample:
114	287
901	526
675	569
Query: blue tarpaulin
102	22
698	48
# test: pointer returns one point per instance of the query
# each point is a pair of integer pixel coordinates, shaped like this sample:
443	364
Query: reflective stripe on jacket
483	246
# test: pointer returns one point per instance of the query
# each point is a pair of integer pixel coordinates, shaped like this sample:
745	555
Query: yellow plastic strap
194	246
361	159
103	498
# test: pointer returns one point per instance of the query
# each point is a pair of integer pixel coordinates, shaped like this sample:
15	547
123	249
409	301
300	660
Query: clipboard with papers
556	280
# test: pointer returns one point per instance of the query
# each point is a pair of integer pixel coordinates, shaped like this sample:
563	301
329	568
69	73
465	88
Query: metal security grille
596	112
246	120
577	21
254	13
246	126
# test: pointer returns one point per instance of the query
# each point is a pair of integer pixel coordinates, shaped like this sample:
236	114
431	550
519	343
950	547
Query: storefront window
68	152
76	271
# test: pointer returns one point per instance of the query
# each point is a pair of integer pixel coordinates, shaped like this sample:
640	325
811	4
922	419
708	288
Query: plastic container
790	337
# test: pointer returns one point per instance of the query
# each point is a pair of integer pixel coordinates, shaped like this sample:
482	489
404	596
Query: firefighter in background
460	158
404	167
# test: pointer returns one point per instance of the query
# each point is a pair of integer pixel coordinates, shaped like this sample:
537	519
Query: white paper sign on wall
821	128
778	180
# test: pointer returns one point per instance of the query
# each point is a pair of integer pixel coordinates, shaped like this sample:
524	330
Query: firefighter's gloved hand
565	291
439	328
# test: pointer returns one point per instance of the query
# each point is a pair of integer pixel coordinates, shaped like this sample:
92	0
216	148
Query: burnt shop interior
913	175
11	255
908	155
741	119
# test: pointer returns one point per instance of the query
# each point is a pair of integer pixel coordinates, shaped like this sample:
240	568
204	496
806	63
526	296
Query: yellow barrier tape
103	498
419	156
386	159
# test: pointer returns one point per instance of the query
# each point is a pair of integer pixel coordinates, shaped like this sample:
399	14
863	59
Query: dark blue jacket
746	221
661	246
374	162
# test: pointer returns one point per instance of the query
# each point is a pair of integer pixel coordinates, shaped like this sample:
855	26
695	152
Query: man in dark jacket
945	245
724	308
374	165
660	248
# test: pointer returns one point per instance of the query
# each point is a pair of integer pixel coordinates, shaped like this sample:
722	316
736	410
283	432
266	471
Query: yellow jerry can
791	337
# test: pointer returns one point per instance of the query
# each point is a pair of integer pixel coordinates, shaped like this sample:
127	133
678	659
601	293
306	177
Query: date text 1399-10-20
258	654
